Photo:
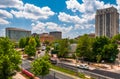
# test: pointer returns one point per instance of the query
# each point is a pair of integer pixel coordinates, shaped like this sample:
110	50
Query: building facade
56	34
16	34
46	37
107	22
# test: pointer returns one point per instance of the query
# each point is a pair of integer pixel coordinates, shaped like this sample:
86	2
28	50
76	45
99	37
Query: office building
46	37
56	34
16	34
107	22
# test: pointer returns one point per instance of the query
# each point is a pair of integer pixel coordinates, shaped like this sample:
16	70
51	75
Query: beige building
16	34
107	22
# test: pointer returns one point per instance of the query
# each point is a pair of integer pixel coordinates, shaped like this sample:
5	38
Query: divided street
96	72
52	75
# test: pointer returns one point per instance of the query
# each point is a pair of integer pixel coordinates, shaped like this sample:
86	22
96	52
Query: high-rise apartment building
16	34
107	22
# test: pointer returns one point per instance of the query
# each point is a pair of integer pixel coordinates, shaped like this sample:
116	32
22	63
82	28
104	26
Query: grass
69	72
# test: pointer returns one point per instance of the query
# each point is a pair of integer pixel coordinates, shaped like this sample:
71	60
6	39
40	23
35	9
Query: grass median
69	72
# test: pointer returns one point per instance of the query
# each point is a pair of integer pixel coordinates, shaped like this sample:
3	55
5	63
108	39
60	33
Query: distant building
35	34
56	34
91	35
46	37
16	34
107	22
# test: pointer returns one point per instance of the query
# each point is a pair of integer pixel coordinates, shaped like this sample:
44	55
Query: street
52	75
94	73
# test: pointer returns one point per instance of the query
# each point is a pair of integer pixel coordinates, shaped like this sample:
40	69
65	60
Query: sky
71	17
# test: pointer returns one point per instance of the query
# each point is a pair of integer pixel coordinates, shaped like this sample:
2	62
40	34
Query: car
83	66
53	60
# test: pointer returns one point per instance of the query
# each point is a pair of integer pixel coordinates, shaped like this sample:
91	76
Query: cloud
49	26
70	19
11	4
3	22
86	6
3	16
87	10
33	12
118	5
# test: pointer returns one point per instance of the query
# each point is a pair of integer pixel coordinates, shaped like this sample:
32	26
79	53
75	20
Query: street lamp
54	75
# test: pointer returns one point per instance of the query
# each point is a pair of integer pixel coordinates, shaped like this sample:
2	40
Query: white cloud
71	19
11	4
3	22
83	26
87	10
74	5
5	14
86	6
31	11
118	5
50	26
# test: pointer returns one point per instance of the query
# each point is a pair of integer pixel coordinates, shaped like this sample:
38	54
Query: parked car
53	60
83	66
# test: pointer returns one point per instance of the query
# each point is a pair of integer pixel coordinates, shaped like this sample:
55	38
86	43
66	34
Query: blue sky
72	17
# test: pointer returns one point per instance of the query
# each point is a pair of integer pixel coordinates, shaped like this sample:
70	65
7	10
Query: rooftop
18	29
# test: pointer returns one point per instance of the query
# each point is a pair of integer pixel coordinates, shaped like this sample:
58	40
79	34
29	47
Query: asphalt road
98	72
52	75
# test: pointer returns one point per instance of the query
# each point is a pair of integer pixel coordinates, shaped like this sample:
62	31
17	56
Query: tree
105	49
98	46
110	52
22	42
47	49
10	59
63	47
84	47
30	49
115	38
37	39
41	66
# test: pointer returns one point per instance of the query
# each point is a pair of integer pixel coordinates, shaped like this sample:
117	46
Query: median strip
75	75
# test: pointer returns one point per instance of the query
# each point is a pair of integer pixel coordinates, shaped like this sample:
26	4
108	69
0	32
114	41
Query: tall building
107	22
56	34
16	34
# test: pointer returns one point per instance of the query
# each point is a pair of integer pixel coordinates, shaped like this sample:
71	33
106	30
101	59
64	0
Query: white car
83	66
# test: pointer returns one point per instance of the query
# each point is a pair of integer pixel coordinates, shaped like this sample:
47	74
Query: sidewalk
19	76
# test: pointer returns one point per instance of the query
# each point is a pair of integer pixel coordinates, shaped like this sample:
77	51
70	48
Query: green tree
27	41
10	59
41	66
84	47
110	52
47	49
115	38
22	42
101	48
37	39
63	47
30	49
